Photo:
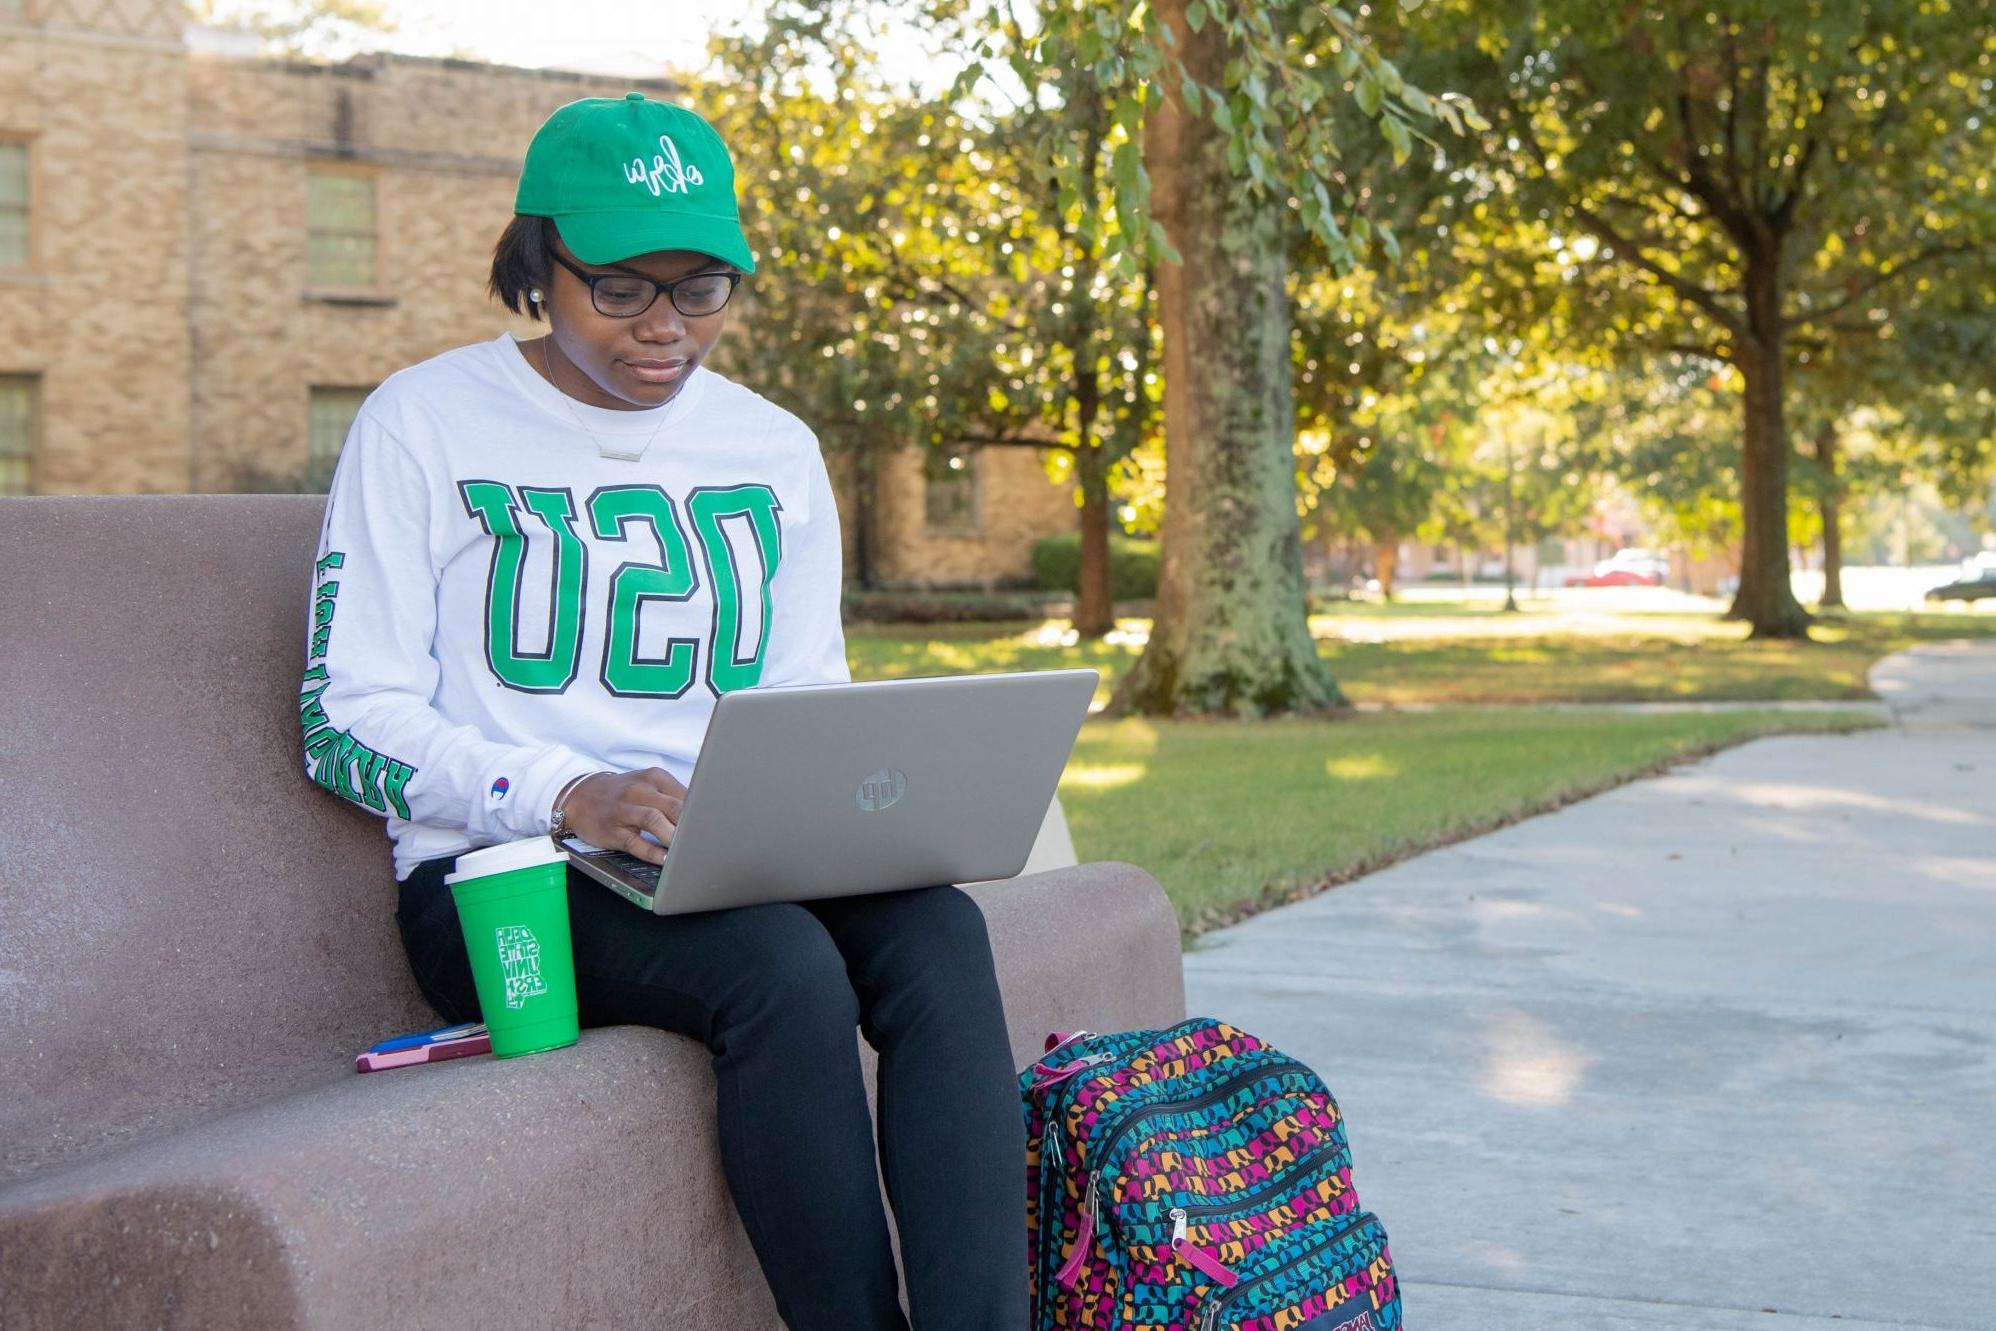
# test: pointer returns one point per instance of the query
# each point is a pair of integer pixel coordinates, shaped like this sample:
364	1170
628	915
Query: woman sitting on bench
550	558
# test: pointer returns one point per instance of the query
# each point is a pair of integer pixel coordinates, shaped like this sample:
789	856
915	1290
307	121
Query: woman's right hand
614	809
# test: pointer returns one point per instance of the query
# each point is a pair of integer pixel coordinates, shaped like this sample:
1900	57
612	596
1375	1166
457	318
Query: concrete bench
197	941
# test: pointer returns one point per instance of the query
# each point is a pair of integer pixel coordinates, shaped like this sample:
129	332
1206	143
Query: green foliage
1132	566
1750	186
881	226
990	267
932	606
300	29
1666	431
925	281
1292	62
1663	142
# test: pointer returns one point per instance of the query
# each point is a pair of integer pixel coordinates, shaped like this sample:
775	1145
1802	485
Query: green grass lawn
1232	816
1629	658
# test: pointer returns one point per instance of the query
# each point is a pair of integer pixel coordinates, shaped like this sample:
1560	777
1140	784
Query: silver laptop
830	790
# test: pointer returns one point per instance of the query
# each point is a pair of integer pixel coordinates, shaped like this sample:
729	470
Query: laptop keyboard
642	870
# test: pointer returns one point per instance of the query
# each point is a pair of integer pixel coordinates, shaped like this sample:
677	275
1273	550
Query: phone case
373	1061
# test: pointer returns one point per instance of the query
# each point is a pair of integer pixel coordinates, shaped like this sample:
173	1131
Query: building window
949	499
340	241
13	204
327	421
17	434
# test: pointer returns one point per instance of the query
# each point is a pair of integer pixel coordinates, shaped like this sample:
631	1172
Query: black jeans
774	993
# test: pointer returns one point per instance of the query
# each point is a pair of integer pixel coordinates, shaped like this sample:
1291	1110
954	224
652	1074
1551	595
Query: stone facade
99	312
441	143
1014	506
165	310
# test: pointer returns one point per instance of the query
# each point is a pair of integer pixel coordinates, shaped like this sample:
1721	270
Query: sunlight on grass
1102	777
1361	767
1131	739
1229	815
1621	657
1225	813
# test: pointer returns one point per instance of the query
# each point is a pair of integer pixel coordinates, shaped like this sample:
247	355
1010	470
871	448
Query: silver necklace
602	449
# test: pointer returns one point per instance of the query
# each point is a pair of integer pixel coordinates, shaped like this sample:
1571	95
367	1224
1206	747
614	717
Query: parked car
1977	580
1627	568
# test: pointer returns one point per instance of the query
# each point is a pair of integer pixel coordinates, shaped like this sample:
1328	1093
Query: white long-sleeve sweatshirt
497	607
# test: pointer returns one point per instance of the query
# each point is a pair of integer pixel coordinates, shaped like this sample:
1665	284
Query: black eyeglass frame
667	289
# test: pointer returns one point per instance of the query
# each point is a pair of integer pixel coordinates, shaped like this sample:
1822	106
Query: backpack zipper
1220	1092
1091	1204
1209	1312
1261	1194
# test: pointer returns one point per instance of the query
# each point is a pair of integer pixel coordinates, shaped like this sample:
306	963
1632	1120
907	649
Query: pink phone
435	1051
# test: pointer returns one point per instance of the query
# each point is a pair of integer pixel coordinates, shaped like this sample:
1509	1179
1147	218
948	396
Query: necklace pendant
620	454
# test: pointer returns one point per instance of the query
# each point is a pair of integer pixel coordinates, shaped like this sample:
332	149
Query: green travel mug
512	901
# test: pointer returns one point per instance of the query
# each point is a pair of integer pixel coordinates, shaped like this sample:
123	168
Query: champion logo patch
500	787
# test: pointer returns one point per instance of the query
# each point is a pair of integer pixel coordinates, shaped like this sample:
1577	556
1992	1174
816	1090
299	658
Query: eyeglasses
627	295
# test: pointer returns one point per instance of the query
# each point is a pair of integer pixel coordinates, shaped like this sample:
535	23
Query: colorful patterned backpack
1194	1179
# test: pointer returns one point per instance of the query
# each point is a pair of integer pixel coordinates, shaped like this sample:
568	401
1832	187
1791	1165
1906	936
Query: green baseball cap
626	176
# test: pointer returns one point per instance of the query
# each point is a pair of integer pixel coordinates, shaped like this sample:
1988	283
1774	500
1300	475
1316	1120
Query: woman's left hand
616	810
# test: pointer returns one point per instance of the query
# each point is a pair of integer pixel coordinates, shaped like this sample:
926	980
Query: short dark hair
522	260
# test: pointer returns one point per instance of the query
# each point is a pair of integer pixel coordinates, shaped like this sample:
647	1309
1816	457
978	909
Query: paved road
1711	1051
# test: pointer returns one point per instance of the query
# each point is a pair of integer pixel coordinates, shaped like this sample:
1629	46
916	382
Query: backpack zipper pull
1054	1076
1196	1257
1070	1271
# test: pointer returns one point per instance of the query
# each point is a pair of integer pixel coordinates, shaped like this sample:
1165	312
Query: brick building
208	258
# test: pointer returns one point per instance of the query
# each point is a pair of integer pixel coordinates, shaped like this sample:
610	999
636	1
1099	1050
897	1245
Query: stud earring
535	295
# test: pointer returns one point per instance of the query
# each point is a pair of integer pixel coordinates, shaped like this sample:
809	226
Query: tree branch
1827	313
1606	232
1698	177
1763	72
1649	201
1683	287
1784	211
1706	351
1732	138
1009	441
912	284
1820	130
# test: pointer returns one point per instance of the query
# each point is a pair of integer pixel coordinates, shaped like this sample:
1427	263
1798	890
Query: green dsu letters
613	511
493	505
338	761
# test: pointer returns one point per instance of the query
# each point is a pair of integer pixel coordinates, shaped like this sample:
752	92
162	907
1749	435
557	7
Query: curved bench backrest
189	923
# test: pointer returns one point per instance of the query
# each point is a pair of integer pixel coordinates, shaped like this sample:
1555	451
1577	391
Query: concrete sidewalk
1712	1050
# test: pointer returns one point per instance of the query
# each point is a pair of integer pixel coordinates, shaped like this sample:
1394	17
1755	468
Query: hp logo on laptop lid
881	790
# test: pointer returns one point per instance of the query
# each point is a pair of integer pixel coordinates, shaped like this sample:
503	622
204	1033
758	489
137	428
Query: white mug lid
506	857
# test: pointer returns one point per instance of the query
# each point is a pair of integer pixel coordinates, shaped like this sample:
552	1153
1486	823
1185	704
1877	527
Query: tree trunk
1766	598
1231	634
1386	559
1831	505
866	500
1094	606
